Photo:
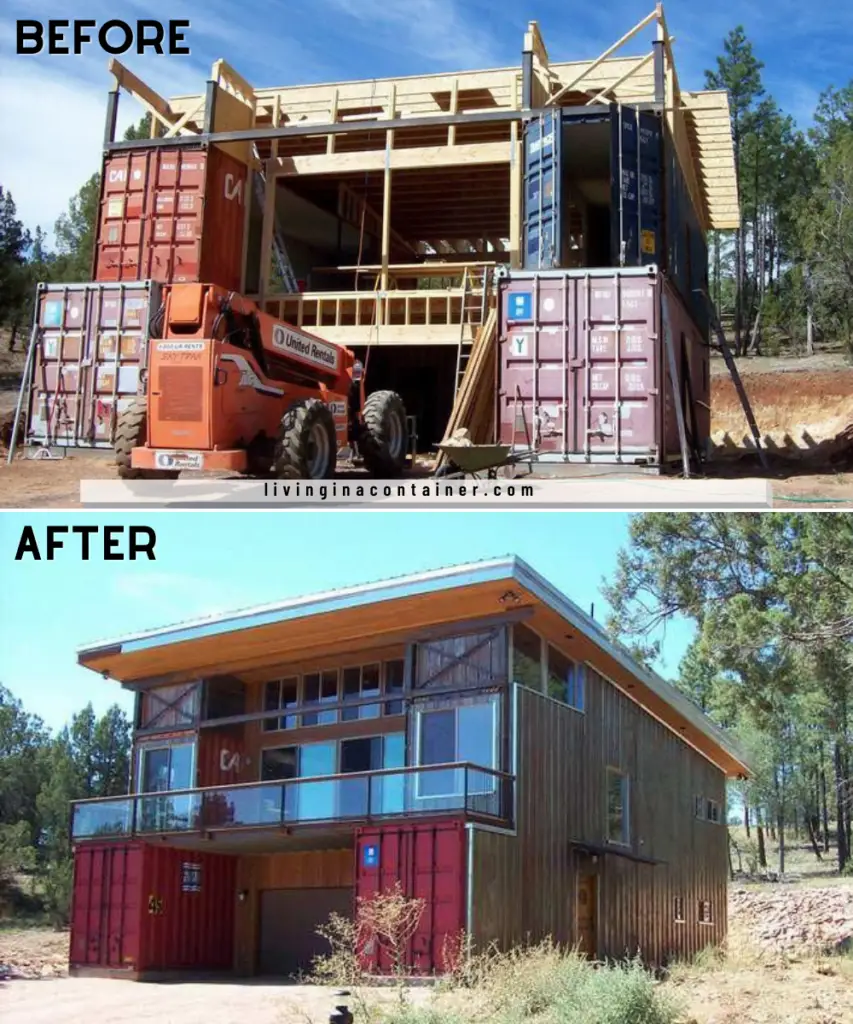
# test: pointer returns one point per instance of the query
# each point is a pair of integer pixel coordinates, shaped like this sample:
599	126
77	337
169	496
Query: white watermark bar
429	493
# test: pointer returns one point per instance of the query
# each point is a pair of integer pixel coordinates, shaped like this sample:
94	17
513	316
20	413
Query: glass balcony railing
356	796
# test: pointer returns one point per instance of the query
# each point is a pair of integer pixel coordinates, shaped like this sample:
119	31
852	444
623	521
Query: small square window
705	916
394	675
699	807
678	909
713	811
566	679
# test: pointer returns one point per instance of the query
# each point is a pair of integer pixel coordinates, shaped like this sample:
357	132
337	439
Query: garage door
289	922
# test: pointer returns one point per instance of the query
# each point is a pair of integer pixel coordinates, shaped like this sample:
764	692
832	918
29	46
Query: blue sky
53	107
212	561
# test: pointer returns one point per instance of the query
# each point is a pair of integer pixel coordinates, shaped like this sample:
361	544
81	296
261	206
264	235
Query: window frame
301	709
154	744
578	674
678	910
700	912
625	793
493	703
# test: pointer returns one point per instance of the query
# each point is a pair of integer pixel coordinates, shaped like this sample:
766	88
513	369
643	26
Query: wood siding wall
524	886
309	869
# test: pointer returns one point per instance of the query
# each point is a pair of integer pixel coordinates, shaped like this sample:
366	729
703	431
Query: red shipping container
584	370
429	862
138	907
172	215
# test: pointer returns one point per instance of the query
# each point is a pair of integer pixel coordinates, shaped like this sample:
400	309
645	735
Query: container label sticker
519	345
648	238
190	877
370	855
52	316
115	208
521	305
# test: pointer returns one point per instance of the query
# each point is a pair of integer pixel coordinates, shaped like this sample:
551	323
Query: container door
635	156
615	397
542	230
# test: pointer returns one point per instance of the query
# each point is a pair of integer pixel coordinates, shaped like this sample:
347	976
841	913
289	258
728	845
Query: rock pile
797	919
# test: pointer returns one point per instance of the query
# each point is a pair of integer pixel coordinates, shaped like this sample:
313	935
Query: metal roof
432	581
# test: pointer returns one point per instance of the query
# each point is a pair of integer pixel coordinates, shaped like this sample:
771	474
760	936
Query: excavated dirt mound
791	920
33	953
800	414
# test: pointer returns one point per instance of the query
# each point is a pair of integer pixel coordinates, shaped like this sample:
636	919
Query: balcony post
465	805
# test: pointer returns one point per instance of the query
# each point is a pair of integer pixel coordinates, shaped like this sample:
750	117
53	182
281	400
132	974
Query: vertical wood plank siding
524	885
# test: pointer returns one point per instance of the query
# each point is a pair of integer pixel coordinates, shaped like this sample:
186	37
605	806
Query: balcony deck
348	800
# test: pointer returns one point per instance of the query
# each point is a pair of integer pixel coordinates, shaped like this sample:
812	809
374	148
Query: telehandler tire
132	432
307	444
384	440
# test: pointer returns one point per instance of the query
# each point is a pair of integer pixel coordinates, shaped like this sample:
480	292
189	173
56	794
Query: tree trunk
729	849
812	824
809	314
825	805
13	336
780	820
755	340
840	809
740	256
759	832
746	818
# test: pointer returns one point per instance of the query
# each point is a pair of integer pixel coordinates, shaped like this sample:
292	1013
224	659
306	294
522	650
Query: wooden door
586	914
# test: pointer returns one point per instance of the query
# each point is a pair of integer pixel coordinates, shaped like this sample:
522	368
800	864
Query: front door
586	914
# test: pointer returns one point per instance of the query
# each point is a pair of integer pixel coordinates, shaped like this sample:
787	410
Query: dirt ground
749	990
800	405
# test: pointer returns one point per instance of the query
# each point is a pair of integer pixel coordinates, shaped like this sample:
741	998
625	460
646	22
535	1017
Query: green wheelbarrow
480	461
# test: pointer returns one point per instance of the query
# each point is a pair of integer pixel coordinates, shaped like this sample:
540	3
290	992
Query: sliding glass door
163	769
453	734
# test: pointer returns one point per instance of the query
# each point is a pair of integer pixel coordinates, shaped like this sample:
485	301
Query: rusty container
428	861
138	908
584	367
172	215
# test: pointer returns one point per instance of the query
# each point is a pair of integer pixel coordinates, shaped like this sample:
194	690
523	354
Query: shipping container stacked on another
165	215
614	261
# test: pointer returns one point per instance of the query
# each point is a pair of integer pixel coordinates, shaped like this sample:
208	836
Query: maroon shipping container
91	347
172	215
137	907
569	389
429	862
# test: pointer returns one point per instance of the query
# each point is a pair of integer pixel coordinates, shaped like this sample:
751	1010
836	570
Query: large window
566	680
355	685
527	658
618	824
339	798
450	735
163	769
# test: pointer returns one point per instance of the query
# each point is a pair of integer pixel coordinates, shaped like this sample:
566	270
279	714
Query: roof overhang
398	610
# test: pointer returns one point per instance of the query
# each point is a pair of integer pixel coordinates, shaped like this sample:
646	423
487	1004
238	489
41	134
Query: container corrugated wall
172	215
429	861
583	372
92	347
138	907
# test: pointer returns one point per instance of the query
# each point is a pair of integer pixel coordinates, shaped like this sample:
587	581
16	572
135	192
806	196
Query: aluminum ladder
282	260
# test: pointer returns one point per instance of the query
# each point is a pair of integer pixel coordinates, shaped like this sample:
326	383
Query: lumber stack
474	408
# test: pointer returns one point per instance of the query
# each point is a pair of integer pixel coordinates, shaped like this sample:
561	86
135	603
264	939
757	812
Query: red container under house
138	909
428	860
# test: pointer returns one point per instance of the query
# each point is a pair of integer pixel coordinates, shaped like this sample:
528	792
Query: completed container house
469	733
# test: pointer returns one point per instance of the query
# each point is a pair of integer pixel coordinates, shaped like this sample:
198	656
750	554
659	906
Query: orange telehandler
229	387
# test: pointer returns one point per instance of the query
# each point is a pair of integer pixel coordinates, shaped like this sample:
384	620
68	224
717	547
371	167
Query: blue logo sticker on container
53	313
521	305
370	855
